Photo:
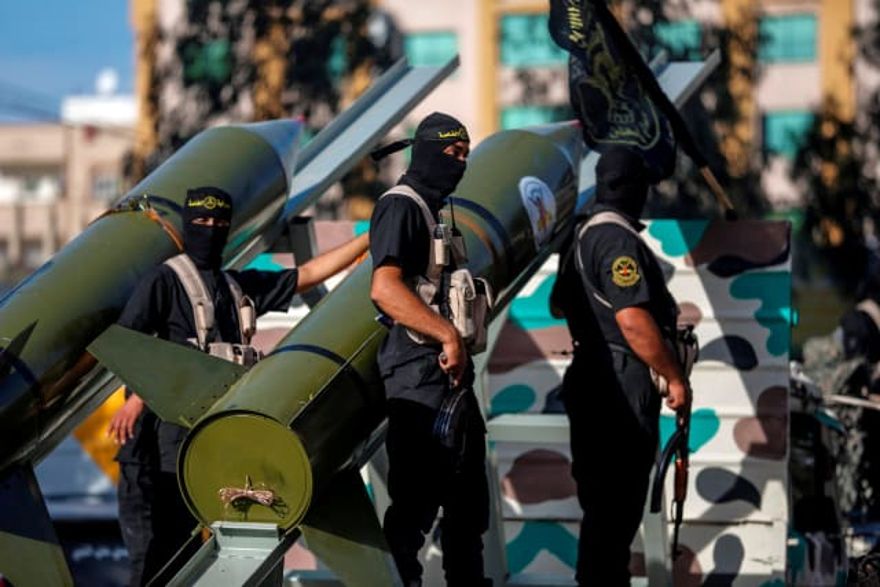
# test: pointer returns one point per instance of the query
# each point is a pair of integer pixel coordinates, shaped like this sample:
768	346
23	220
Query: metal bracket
299	236
233	555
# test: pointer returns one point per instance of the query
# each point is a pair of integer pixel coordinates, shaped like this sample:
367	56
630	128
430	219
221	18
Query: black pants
154	519
613	411
424	475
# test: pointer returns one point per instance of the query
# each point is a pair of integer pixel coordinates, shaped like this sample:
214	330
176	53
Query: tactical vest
203	314
449	291
683	342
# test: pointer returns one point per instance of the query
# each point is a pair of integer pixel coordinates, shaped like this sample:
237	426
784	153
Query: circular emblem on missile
625	272
540	205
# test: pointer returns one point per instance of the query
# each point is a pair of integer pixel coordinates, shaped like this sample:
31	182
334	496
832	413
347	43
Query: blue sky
56	47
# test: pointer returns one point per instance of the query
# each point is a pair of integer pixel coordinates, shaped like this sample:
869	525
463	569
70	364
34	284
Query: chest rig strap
438	253
446	288
203	304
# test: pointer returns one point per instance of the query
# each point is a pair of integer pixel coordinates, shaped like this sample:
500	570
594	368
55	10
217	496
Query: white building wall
457	95
780	87
48	172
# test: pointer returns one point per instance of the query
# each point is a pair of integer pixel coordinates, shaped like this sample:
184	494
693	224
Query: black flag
613	91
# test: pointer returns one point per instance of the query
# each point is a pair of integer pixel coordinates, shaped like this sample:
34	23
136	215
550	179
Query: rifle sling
663	463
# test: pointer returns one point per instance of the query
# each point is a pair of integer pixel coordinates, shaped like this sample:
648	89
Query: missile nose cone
566	135
283	136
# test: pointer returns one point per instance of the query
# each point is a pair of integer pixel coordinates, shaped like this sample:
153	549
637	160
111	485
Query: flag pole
719	193
649	81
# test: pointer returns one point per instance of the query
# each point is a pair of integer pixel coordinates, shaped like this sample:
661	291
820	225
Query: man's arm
143	312
619	259
391	294
326	265
645	339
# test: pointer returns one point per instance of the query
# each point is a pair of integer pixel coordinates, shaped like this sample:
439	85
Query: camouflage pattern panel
536	481
533	350
732	280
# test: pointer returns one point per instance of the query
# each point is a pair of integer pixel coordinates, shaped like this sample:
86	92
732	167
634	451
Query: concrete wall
68	158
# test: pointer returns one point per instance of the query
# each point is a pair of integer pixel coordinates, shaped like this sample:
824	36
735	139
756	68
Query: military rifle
676	447
687	351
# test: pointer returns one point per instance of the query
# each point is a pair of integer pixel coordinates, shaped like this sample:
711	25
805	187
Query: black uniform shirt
159	305
399	235
623	271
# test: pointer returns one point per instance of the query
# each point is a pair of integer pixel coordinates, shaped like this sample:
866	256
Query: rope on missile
142	204
169	229
230	495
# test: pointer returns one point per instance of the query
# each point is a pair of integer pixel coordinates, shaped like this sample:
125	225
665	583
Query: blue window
520	116
790	38
525	41
784	131
430	49
683	37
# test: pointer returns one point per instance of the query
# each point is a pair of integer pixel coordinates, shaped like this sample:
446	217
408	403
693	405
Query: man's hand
679	396
389	292
453	359
122	425
646	341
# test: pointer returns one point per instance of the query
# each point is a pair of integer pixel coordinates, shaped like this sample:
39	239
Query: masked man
154	519
421	361
623	325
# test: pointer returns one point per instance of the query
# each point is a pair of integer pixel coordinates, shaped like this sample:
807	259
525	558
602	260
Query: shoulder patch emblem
625	272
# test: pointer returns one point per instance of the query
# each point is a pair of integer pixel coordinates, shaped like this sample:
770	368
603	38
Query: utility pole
741	19
144	21
270	57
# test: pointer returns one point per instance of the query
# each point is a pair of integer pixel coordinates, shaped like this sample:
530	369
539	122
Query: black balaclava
430	166
204	244
622	181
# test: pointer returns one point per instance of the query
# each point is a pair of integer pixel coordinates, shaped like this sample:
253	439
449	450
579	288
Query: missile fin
343	531
179	383
9	356
30	553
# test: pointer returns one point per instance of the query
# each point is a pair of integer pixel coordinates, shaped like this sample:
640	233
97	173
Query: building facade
55	178
513	75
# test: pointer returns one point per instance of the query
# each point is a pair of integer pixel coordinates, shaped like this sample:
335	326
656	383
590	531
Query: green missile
47	380
276	435
49	319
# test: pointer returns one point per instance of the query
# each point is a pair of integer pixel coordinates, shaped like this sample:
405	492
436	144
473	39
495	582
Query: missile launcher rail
79	387
347	140
680	80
